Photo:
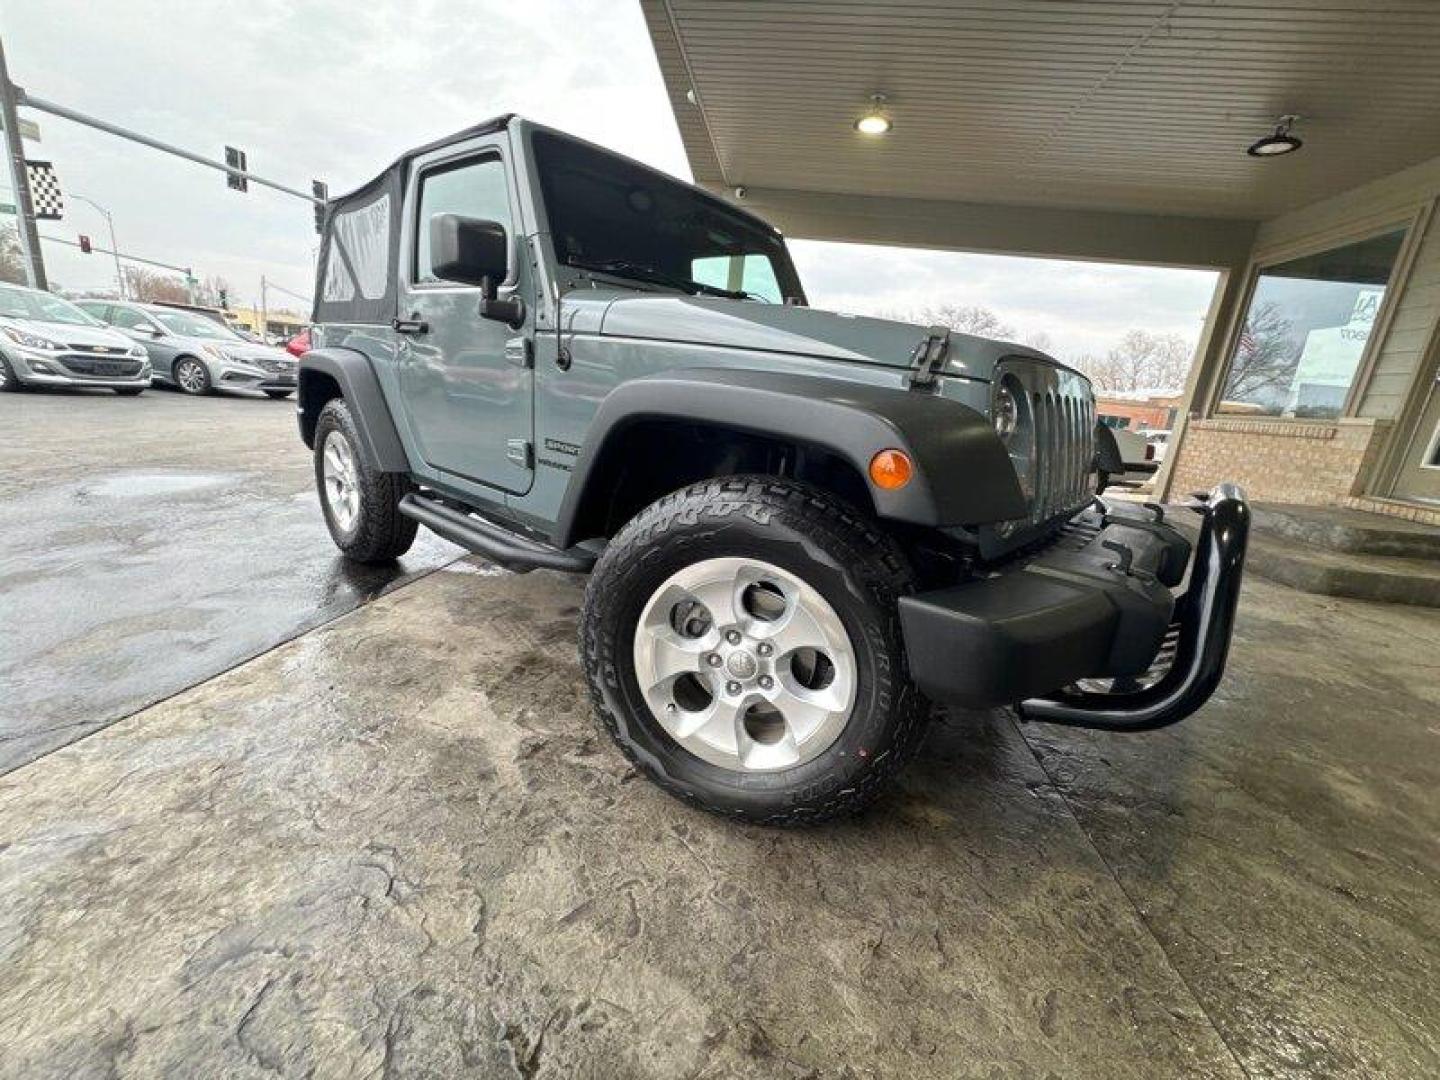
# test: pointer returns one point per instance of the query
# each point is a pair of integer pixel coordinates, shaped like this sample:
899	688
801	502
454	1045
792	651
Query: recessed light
877	120
1281	142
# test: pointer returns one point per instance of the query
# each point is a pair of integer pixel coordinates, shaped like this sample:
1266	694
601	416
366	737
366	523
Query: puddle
153	484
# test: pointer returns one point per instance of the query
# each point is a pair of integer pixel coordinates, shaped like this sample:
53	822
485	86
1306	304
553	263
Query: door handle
410	326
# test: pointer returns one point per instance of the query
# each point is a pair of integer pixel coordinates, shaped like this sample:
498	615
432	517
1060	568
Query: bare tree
12	259
1141	361
208	291
143	284
967	319
1265	356
1038	339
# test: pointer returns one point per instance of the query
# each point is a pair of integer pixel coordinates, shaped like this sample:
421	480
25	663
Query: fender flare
352	372
963	474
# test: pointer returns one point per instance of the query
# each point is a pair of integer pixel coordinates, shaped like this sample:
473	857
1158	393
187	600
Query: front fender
963	474
322	373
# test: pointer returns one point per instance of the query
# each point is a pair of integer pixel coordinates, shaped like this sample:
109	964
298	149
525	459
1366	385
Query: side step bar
497	543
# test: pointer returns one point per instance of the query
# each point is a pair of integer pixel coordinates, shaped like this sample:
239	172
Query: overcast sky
334	89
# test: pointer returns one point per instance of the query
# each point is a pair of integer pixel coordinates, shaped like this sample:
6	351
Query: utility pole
264	316
20	181
114	247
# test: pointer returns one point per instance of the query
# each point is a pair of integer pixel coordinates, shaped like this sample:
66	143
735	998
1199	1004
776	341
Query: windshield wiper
641	272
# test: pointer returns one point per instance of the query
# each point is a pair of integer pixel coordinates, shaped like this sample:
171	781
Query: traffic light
85	243
321	191
235	159
224	299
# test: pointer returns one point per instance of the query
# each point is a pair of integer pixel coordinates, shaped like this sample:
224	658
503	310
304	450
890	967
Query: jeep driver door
465	382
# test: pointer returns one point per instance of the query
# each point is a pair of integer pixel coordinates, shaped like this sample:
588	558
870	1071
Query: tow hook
1127	557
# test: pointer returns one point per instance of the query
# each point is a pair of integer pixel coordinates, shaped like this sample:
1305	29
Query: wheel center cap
742	665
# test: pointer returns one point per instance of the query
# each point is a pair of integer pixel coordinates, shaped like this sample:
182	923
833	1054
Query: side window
127	319
473	188
754	274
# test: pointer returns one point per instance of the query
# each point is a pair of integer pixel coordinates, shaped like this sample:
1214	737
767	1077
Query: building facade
1126	133
1334	343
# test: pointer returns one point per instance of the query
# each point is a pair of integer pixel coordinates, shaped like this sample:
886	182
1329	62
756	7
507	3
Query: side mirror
474	252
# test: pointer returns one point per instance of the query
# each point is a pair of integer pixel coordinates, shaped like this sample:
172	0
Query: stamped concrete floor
397	846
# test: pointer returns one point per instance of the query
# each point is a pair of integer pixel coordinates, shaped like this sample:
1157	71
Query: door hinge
517	452
520	352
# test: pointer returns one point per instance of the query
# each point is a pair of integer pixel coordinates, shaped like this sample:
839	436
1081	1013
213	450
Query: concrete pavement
148	543
398	846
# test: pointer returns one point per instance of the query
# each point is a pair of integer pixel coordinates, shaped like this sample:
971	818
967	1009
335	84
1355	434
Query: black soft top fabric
358	268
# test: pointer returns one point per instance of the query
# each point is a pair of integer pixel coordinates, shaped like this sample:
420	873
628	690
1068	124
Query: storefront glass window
1306	329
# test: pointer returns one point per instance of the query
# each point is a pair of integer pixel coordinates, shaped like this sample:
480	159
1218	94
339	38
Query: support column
1202	384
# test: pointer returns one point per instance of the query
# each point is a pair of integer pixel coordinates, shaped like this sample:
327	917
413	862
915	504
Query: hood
71	333
801	331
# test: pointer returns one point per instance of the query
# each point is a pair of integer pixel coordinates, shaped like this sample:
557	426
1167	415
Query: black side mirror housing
473	251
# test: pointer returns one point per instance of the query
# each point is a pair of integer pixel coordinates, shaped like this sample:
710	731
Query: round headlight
1007	414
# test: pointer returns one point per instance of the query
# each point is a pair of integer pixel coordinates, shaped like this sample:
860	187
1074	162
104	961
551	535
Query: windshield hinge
929	357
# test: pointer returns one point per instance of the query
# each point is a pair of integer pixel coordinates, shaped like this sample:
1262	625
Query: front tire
361	504
191	376
9	384
742	643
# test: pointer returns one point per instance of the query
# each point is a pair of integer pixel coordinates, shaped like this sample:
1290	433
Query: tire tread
870	553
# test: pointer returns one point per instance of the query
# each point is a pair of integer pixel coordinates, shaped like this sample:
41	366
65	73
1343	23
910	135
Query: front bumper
1098	605
34	367
234	376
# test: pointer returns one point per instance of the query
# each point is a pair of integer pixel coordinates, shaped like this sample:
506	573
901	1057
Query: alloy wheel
191	376
745	665
341	480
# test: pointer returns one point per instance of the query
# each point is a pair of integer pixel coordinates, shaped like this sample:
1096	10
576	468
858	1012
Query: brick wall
1295	461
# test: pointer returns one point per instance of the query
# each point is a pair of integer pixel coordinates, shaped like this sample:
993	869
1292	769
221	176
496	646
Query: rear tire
277	395
361	504
750	727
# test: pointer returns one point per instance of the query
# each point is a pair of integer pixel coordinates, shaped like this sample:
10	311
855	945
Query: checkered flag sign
45	191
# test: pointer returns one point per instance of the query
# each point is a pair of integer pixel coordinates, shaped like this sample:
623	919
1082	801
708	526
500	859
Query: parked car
801	527
45	340
1137	454
299	345
1159	441
197	354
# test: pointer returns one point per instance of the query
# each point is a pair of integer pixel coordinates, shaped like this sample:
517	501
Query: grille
100	350
274	365
117	368
1057	433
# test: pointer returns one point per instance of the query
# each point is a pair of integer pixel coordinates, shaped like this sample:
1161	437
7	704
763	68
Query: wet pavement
398	846
148	543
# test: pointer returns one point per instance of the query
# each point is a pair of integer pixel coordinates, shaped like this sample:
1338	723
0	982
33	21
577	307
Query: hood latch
928	358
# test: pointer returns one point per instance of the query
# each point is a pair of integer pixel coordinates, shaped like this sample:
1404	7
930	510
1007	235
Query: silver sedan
198	355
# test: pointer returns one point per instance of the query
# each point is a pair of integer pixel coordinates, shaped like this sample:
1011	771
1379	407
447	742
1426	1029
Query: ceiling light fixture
877	120
1281	142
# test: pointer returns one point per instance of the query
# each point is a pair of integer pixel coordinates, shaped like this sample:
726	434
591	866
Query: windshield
182	322
17	303
613	215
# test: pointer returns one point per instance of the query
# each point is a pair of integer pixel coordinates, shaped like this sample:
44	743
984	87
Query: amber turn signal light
891	469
